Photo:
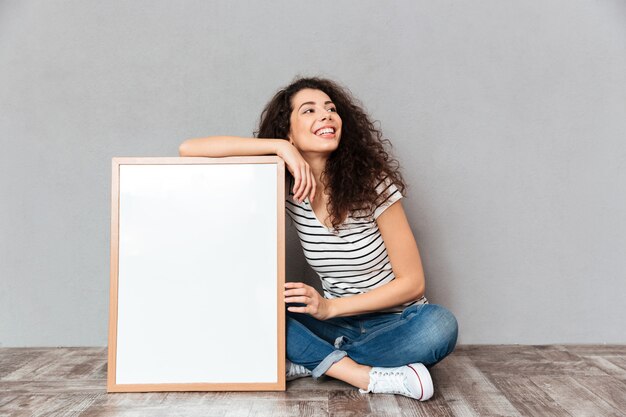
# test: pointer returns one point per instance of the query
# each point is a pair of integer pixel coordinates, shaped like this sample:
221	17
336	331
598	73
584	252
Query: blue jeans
424	333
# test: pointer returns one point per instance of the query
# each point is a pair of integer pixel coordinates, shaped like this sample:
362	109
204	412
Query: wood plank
39	364
595	350
73	364
574	398
69	386
324	383
288	409
617	361
435	407
607	367
88	364
6	398
158	404
120	401
12	359
223	407
533	360
48	405
527	397
439	404
348	404
489	350
192	399
478	394
383	404
156	411
196	404
610	389
312	395
456	400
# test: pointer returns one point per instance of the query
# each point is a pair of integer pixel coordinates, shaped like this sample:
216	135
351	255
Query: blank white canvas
197	281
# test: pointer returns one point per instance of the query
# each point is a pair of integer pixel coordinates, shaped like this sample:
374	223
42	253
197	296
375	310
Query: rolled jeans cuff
327	362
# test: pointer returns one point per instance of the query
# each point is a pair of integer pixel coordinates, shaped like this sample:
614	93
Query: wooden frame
137	325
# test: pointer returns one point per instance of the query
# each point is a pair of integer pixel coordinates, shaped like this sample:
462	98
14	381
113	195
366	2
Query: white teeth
325	130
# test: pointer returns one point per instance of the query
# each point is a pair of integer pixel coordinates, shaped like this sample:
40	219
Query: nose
325	115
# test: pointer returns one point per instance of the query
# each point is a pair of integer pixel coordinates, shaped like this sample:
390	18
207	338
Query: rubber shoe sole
423	381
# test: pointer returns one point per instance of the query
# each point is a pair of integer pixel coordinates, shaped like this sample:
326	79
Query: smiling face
315	126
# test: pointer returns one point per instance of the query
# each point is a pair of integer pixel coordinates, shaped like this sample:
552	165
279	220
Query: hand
304	184
316	305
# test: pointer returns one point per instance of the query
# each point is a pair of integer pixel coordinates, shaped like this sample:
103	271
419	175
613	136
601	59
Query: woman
373	328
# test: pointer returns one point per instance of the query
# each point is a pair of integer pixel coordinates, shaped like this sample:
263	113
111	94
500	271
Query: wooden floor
474	381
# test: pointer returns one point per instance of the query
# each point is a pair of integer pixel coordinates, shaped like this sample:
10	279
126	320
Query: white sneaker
411	380
295	371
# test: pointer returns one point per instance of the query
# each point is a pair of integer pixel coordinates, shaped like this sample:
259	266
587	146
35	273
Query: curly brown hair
360	161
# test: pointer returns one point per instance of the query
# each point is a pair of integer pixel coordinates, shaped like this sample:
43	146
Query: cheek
301	128
294	129
294	135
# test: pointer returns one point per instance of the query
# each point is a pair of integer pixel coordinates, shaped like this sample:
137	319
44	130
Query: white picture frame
197	274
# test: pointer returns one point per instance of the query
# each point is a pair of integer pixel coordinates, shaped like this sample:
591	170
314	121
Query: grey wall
509	119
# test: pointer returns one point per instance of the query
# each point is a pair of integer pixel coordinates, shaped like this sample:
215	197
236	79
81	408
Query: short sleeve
393	195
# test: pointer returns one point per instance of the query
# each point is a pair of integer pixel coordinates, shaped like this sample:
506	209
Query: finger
297	181
303	184
307	189
297	291
313	189
294	284
300	182
302	300
297	309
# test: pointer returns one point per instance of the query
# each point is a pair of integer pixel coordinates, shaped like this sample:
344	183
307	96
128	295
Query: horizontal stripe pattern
352	259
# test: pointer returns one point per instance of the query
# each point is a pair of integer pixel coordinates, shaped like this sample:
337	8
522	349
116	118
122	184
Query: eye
307	110
333	109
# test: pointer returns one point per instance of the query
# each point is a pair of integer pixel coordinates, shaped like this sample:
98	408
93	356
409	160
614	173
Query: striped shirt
352	259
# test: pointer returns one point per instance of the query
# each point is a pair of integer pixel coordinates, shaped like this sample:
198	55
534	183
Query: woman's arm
409	284
406	263
220	146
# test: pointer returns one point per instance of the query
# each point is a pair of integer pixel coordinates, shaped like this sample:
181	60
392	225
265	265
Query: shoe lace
392	382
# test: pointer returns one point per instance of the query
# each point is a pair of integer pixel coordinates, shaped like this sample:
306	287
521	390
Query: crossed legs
346	348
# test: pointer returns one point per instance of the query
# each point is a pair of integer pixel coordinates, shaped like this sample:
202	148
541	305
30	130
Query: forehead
309	94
